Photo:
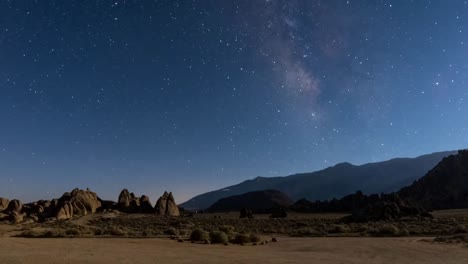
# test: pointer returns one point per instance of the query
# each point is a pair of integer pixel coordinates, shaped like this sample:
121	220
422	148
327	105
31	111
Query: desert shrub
98	232
30	233
199	235
306	232
218	237
171	231
73	232
336	229
404	232
116	231
388	229
53	233
254	238
459	229
228	229
241	239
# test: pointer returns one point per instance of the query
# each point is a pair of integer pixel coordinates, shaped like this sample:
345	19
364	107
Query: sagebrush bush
254	238
116	231
227	229
171	231
73	232
218	237
459	229
388	229
199	235
241	239
337	229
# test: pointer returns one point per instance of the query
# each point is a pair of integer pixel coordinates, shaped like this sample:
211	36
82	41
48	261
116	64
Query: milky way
190	96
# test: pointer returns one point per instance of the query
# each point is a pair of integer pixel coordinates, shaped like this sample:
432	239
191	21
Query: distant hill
332	182
443	187
258	201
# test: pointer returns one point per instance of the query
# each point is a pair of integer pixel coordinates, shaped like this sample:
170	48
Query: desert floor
287	250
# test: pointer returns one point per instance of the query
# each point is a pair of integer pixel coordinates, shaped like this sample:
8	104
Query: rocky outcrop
443	187
125	198
389	208
77	203
3	203
167	206
14	206
129	203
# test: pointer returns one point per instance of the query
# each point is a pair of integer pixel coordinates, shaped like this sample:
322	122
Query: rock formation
77	203
14	206
3	203
166	205
129	203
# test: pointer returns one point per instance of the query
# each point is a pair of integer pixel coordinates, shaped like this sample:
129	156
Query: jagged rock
14	206
145	204
77	203
246	213
3	203
129	203
3	217
124	199
15	217
166	205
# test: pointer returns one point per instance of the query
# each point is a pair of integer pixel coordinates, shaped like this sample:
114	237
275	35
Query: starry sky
190	96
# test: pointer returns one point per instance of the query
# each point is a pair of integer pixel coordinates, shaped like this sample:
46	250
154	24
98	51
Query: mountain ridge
332	182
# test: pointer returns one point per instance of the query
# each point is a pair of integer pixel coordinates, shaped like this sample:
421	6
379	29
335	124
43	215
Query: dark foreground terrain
114	237
287	250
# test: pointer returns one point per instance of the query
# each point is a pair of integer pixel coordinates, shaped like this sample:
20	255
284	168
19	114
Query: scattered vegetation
199	235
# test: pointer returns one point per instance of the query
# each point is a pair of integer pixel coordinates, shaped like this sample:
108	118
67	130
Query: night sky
190	96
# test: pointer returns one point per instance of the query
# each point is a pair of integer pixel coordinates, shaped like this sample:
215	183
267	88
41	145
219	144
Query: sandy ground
287	250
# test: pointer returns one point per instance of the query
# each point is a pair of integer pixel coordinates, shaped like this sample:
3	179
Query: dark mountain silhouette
337	181
258	201
443	187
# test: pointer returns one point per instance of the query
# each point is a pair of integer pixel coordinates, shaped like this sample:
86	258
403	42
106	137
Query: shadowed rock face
443	187
14	206
77	203
166	205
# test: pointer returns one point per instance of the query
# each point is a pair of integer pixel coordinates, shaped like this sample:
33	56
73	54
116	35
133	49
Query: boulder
14	206
15	217
3	203
77	203
124	199
167	206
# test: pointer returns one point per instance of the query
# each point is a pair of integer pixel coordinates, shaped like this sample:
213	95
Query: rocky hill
258	201
443	187
333	182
